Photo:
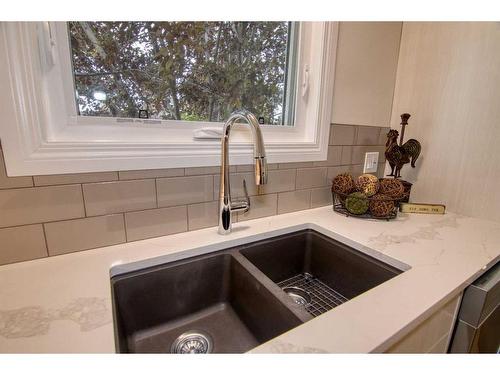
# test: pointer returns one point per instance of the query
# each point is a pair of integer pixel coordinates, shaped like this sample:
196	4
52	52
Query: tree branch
90	34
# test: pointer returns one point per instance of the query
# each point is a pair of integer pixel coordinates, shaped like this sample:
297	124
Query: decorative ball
367	184
343	184
381	205
391	187
357	203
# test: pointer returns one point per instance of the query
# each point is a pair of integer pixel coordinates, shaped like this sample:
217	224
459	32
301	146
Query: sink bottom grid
323	298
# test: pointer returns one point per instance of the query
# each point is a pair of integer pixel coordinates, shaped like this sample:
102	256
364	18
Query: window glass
190	71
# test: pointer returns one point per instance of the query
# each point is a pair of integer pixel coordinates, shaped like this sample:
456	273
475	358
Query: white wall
448	79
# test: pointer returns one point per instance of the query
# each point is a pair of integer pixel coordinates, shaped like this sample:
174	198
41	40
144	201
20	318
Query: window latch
305	81
46	45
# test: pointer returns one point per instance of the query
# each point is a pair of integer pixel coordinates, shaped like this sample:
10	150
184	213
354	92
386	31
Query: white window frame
42	134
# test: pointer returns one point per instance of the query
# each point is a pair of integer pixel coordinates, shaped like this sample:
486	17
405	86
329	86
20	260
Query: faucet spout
226	205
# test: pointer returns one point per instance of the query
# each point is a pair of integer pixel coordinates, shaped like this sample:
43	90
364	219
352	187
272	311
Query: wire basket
338	206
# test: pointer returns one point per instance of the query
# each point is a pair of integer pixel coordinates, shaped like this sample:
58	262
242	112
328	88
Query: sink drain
299	295
192	342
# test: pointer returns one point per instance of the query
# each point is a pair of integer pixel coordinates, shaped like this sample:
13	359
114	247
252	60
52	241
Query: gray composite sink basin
214	296
235	299
327	269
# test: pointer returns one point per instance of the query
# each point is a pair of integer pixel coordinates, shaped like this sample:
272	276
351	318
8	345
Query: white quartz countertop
63	303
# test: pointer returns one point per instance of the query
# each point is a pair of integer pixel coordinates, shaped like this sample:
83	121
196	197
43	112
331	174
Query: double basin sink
235	299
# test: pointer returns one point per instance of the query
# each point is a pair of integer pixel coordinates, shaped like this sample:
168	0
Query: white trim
41	135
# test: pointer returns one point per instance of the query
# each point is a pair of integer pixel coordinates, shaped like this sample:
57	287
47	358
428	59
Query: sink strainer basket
192	342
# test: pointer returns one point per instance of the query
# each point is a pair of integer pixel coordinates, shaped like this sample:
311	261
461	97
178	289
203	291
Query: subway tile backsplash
184	190
22	243
81	234
39	205
308	178
156	222
367	135
121	196
343	134
296	200
44	216
74	178
150	173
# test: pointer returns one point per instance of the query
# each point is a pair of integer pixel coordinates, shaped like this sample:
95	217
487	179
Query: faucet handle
242	205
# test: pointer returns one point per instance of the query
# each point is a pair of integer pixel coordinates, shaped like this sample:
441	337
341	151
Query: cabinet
365	72
433	334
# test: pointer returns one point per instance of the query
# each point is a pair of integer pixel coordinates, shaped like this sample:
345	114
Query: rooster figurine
399	155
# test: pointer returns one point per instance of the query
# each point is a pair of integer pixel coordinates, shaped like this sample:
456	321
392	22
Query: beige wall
365	72
448	79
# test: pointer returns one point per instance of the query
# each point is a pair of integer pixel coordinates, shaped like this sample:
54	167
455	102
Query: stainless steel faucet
226	205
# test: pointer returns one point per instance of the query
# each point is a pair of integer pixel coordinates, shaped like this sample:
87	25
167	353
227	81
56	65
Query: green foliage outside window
193	71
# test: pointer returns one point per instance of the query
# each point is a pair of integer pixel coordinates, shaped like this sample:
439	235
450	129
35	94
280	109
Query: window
189	71
85	97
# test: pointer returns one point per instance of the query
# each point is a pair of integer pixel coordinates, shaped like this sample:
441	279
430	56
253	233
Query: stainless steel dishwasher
478	324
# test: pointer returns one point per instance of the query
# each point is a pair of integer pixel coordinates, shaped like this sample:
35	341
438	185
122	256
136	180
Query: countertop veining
63	303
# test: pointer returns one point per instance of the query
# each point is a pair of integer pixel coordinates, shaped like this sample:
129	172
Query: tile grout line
356	133
125	226
83	199
276	207
156	193
20	187
42	186
45	238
